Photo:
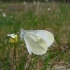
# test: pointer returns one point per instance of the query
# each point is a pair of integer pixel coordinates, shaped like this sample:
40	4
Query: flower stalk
15	58
14	39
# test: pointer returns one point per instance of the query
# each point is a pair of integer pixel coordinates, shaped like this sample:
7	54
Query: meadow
50	16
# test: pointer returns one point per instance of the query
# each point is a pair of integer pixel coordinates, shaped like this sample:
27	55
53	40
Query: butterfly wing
36	44
22	37
27	45
37	41
46	35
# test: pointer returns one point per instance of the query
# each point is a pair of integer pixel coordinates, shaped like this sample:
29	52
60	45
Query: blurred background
34	0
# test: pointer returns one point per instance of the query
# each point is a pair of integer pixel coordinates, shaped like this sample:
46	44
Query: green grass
35	17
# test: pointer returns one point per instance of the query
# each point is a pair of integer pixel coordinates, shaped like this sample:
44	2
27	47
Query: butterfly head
22	33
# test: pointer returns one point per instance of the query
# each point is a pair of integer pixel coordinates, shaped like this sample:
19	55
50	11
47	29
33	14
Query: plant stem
15	50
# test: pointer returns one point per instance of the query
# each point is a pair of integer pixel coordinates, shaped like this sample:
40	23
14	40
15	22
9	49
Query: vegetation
51	16
34	0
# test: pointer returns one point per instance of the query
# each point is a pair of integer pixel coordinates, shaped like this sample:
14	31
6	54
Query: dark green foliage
34	0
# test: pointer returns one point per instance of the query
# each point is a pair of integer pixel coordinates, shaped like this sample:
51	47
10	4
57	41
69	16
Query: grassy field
50	16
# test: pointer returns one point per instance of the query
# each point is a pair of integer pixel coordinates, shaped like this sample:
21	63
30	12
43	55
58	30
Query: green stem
15	50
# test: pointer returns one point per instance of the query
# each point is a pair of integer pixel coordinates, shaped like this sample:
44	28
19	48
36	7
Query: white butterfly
37	41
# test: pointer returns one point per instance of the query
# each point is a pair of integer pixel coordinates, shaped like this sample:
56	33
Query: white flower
24	3
11	35
3	14
11	16
13	38
34	2
48	9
